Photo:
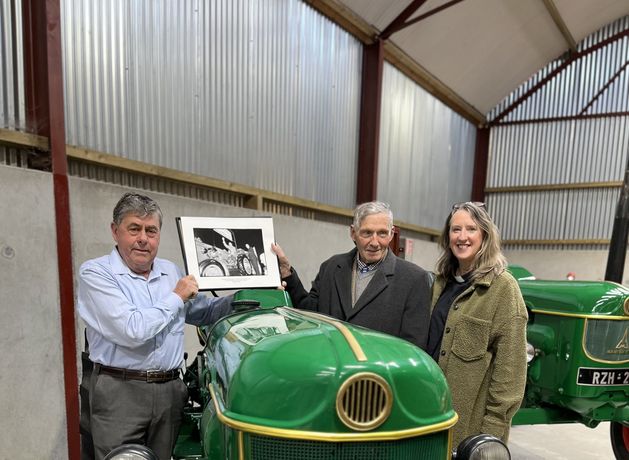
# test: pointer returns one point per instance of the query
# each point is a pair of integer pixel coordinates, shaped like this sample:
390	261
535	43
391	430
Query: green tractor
578	371
273	382
276	383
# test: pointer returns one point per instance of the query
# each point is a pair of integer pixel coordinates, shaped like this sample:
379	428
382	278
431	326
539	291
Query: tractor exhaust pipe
618	243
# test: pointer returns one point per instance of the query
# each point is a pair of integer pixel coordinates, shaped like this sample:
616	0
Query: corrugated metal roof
483	49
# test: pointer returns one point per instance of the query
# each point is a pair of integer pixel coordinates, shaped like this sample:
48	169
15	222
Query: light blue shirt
137	323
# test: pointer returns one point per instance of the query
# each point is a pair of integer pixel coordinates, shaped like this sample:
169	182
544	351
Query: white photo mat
229	252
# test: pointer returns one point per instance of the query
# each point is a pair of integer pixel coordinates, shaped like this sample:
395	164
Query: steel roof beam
399	22
421	17
367	34
43	75
540	84
561	24
369	130
605	86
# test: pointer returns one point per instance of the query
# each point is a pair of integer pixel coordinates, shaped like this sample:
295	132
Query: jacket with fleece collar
483	354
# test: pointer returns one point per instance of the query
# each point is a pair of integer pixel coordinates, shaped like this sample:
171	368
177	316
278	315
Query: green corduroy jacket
483	354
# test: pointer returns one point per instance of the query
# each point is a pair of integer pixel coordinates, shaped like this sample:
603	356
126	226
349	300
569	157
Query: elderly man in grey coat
368	286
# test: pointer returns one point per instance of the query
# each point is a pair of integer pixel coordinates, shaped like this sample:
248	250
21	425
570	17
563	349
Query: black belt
144	376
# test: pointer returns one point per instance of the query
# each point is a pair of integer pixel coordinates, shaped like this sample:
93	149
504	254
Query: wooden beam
340	14
555	242
22	140
553	187
255	202
125	164
255	197
417	228
251	193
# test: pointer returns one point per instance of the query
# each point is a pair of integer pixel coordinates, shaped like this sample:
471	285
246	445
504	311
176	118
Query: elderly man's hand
282	259
187	288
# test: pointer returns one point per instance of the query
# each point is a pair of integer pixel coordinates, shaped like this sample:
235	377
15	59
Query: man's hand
282	259
187	288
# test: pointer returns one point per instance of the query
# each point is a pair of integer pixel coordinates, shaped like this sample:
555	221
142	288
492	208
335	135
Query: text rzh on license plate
602	377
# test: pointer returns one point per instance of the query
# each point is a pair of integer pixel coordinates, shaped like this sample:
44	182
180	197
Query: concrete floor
569	441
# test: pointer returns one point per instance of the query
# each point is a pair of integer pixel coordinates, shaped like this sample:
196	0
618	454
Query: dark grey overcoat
396	301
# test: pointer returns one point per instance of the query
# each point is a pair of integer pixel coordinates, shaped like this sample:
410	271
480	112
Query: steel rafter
605	86
540	84
434	11
481	160
399	22
370	111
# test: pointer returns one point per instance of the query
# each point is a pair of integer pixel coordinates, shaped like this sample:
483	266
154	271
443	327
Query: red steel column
369	137
43	74
481	160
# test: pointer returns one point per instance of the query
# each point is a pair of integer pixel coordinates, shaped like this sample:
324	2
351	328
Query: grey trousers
131	411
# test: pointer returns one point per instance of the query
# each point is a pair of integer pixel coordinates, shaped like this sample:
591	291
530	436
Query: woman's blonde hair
489	258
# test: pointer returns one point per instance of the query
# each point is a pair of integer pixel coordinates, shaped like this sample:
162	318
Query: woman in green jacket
478	325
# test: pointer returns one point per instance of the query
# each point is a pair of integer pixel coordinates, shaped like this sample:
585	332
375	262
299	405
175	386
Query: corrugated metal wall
266	93
426	156
571	91
556	154
262	93
12	105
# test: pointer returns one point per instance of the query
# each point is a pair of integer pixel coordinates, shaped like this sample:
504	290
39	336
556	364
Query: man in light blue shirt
134	306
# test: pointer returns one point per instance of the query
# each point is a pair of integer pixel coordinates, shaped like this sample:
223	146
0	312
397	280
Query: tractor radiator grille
430	447
364	401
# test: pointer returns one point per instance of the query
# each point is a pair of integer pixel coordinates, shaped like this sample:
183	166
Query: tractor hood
284	367
575	297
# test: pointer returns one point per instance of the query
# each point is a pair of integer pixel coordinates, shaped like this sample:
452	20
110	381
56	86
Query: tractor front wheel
619	435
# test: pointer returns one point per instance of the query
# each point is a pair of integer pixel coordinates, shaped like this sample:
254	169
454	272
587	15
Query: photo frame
229	252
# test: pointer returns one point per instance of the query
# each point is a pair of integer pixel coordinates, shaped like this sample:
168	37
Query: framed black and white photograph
229	252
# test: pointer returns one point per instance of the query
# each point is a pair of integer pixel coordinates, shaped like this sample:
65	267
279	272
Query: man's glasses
479	204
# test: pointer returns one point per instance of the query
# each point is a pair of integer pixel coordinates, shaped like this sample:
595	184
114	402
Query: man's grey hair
370	208
138	205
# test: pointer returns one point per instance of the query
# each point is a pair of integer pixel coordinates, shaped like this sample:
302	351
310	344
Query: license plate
594	376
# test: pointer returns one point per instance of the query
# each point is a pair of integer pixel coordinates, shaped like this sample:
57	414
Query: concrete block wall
555	265
33	395
549	264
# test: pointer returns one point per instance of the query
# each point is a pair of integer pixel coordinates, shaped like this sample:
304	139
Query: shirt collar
463	279
362	267
120	267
